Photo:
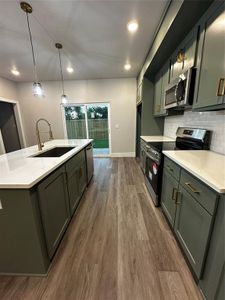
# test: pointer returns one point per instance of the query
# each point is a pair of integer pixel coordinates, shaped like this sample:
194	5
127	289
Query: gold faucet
40	144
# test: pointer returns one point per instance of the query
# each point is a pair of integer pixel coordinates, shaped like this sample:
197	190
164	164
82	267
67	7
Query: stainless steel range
187	139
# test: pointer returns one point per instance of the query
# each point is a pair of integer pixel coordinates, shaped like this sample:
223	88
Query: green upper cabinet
188	48
161	81
210	85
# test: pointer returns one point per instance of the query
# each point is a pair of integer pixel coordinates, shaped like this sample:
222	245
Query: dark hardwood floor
117	246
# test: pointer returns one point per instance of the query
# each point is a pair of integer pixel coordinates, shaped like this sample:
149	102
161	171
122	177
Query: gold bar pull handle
221	87
192	188
174	194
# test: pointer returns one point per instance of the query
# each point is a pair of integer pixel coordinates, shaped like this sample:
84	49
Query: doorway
11	131
89	121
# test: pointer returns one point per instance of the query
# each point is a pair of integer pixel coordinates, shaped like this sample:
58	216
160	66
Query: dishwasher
90	164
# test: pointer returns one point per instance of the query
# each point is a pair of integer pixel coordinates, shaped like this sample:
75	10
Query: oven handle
151	157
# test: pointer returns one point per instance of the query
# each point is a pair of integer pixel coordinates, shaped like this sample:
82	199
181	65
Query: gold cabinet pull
169	168
221	87
193	189
178	196
173	194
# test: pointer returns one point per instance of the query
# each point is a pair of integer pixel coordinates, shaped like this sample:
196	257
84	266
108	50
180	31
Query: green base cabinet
54	206
190	206
210	84
33	221
212	283
192	228
76	179
169	186
22	242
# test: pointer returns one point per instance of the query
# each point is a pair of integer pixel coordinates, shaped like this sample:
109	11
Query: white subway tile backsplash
214	121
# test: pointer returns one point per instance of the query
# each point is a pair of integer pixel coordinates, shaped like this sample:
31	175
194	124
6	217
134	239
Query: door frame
88	103
19	123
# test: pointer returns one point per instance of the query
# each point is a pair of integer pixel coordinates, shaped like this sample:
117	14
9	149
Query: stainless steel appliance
187	139
89	159
179	93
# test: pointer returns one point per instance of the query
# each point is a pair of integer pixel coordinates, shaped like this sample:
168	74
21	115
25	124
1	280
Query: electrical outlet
1	207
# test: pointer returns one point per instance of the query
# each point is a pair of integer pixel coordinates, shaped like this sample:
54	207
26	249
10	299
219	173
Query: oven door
152	177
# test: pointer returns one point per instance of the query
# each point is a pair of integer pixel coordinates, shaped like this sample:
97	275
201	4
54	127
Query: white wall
8	89
120	93
214	121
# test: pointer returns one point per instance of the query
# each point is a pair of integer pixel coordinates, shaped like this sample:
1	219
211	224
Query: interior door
8	127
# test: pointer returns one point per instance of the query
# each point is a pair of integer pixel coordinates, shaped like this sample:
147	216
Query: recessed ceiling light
69	70
132	26
127	67
15	72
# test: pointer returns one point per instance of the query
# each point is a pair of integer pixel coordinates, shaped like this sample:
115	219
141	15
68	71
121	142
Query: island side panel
22	244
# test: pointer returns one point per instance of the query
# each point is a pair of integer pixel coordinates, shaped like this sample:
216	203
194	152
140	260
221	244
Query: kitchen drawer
201	192
78	159
172	168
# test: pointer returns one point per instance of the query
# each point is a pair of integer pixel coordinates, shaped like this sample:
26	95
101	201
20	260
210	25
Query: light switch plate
1	204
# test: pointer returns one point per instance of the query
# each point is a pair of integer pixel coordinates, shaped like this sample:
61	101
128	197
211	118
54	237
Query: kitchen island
38	195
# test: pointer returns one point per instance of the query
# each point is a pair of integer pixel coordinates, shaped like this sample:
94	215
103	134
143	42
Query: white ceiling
93	33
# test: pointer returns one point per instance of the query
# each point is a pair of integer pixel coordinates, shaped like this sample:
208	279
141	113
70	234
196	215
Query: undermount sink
55	152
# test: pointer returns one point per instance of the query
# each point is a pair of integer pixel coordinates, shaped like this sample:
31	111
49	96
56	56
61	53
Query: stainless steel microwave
179	93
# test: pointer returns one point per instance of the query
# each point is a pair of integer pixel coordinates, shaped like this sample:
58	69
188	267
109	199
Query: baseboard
123	154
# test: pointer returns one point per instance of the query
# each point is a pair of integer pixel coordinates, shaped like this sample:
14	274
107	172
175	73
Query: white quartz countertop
157	138
19	170
208	166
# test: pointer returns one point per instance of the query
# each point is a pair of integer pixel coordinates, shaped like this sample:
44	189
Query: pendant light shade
37	87
64	98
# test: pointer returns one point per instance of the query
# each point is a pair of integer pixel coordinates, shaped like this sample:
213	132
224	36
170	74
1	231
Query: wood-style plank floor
118	247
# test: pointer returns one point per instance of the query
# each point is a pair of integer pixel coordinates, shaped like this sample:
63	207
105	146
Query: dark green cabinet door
192	228
157	94
73	190
165	81
212	282
169	188
82	178
212	61
53	201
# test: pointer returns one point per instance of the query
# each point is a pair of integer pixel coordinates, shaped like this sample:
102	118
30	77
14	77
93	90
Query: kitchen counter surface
157	138
19	170
208	166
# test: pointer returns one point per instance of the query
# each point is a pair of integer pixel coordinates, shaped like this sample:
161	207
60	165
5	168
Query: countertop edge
22	186
210	184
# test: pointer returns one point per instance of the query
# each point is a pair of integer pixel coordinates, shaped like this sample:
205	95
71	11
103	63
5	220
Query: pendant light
64	99
37	87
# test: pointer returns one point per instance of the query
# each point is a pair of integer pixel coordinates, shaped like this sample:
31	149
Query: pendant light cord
32	49
61	72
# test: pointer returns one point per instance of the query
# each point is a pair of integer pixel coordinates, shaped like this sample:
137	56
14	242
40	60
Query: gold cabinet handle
169	168
221	87
192	188
178	196
174	194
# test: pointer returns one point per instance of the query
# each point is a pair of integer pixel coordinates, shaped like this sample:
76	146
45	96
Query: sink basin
55	152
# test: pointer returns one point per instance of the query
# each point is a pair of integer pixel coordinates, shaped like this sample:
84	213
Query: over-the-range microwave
179	93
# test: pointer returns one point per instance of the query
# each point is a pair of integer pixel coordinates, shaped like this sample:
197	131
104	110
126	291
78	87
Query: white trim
19	123
123	154
2	146
64	121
